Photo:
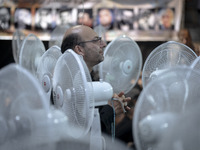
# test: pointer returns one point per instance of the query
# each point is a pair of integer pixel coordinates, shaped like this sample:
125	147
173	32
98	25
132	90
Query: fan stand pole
95	135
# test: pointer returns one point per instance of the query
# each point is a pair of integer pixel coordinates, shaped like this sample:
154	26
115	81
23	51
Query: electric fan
45	68
166	55
122	64
161	103
74	92
57	34
26	122
83	143
30	54
184	134
17	39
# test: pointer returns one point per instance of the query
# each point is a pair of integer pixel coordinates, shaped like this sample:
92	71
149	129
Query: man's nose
103	43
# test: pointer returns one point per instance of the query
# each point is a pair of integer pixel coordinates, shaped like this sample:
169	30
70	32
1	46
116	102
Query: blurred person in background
124	19
166	19
43	19
22	18
105	18
185	38
85	18
4	18
67	17
146	19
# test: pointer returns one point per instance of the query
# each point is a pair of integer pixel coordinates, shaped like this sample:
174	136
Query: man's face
93	51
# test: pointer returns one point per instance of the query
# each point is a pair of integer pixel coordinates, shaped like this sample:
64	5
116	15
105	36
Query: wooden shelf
111	35
144	35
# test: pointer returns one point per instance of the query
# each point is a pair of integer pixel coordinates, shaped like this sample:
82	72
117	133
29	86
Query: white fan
161	103
45	68
31	52
18	37
83	143
168	54
26	122
184	134
57	34
75	93
122	64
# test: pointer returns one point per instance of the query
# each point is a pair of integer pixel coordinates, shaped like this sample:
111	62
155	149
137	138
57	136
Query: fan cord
113	123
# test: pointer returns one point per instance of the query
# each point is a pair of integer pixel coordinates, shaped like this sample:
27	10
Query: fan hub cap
127	66
59	96
46	83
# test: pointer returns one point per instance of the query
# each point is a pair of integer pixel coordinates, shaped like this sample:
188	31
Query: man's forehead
76	29
87	33
72	30
84	31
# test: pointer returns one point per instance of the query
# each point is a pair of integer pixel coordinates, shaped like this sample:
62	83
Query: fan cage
166	55
175	91
121	51
78	98
30	54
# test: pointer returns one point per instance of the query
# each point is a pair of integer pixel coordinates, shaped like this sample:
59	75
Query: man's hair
70	41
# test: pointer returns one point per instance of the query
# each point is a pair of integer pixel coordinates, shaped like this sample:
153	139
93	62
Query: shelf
111	35
144	35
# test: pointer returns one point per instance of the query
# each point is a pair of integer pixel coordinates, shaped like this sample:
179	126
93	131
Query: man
86	42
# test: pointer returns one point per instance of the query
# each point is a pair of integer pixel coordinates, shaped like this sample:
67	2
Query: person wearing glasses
86	42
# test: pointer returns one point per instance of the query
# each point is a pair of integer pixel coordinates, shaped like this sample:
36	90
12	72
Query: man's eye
96	39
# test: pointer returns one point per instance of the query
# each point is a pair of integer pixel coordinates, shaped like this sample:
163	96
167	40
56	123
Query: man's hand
124	100
119	103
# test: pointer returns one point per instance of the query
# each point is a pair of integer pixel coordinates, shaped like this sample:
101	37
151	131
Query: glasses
98	39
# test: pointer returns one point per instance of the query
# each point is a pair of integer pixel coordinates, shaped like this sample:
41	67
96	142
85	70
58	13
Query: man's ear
79	50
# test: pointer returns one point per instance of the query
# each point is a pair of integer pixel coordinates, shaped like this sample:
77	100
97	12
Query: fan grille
185	132
173	92
23	107
57	35
18	37
166	55
122	64
31	51
48	62
76	85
